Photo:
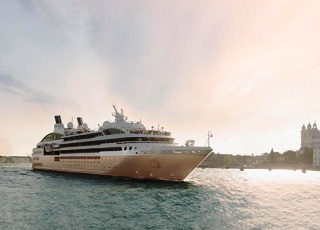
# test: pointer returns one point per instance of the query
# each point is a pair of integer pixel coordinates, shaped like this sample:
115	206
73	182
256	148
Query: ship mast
117	115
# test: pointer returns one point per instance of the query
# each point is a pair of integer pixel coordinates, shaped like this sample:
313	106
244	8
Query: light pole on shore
209	136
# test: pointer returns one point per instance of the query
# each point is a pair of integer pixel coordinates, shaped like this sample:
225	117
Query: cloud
235	68
17	88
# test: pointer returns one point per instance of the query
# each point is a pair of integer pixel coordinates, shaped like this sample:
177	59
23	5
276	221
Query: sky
247	71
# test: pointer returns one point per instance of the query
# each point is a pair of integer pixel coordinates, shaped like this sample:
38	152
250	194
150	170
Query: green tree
273	157
307	155
290	157
229	160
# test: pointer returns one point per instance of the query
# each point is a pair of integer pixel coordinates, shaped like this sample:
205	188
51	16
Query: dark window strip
119	140
90	150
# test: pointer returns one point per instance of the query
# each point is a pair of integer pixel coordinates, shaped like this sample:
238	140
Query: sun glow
282	176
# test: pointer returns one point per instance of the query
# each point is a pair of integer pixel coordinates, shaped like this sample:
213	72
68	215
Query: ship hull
153	166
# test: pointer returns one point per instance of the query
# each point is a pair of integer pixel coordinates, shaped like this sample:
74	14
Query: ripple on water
208	199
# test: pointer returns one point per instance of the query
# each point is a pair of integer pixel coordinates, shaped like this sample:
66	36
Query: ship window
51	137
112	131
132	139
130	147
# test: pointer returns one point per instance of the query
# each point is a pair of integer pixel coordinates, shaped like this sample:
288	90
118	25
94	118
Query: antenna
115	108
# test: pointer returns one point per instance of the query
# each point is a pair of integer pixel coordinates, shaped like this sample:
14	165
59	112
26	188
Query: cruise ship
120	148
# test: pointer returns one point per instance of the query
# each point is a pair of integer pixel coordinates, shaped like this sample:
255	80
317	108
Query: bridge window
51	137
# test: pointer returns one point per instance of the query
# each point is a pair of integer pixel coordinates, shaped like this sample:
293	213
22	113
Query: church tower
303	135
310	136
314	126
308	140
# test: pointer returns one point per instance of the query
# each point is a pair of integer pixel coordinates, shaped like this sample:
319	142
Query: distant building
15	159
310	137
316	157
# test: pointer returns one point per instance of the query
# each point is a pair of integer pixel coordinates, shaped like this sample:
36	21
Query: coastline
294	167
15	159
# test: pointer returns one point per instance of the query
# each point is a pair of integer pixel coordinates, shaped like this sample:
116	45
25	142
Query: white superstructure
119	148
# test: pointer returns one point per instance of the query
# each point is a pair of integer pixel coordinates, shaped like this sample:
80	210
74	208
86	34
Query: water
208	199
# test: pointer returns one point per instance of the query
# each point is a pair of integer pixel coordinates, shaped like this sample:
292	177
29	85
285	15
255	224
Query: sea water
207	199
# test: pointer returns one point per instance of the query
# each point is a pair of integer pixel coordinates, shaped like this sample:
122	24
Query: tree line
291	157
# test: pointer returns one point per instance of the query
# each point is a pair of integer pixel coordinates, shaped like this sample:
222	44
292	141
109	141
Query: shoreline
268	167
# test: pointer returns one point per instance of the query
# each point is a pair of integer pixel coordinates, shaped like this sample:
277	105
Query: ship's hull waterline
153	166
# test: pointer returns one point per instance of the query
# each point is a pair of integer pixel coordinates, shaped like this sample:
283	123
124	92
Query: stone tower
310	136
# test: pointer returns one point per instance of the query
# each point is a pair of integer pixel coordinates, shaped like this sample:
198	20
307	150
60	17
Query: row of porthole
71	165
115	158
94	166
166	151
171	151
81	162
106	158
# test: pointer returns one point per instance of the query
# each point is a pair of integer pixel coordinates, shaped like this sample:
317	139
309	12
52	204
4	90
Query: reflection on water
260	175
208	199
263	199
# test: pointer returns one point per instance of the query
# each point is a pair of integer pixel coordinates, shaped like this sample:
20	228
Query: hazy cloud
237	68
17	88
